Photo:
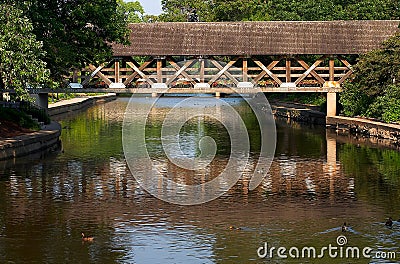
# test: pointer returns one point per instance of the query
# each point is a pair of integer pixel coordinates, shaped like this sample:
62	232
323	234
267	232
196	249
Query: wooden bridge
213	57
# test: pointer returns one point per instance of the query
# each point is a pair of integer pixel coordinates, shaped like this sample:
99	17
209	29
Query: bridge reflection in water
310	188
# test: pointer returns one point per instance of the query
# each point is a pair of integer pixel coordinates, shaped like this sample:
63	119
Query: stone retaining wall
365	127
299	113
47	138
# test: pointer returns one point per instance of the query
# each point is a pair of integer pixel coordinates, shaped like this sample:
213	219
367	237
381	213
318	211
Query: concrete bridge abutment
42	100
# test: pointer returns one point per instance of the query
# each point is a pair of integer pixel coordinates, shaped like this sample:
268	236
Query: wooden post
202	71
245	68
331	69
159	70
116	72
288	69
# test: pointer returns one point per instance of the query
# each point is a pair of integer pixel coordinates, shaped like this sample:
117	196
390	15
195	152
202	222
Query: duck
344	227
87	238
234	228
389	222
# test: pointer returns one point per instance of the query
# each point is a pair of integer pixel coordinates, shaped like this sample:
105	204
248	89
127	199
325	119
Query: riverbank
78	103
376	132
28	142
365	128
298	112
22	145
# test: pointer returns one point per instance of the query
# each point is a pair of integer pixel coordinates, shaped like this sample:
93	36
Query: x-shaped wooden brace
223	70
348	73
310	70
177	68
96	71
180	71
266	70
138	71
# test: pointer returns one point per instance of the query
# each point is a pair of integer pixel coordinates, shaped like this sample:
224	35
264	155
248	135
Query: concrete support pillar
331	104
154	95
42	100
217	94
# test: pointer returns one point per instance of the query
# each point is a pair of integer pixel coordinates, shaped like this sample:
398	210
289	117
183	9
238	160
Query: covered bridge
213	57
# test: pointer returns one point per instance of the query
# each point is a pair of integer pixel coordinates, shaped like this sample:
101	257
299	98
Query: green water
316	182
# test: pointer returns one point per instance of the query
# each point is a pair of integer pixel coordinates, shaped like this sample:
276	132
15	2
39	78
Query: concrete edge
365	127
74	105
23	145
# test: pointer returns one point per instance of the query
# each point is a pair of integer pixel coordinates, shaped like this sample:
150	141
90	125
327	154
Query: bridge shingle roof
257	38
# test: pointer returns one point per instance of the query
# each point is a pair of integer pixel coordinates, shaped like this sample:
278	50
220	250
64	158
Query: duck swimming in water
344	227
87	238
389	222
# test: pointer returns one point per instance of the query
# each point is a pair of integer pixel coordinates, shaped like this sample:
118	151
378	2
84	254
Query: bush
35	112
18	117
375	87
353	101
387	106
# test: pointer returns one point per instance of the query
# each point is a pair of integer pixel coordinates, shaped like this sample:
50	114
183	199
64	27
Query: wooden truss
266	71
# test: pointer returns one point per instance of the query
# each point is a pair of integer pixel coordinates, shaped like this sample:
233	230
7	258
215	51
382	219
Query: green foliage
379	68
75	32
133	11
18	117
60	96
241	10
260	10
36	112
178	10
21	54
386	106
375	88
353	102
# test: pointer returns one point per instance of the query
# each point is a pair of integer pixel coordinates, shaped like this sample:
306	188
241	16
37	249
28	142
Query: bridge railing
186	72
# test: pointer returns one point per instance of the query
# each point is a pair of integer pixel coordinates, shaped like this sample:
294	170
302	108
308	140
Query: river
314	185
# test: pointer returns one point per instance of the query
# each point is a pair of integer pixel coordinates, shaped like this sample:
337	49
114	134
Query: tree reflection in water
316	182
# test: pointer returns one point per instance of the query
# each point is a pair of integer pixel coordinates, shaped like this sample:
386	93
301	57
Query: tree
374	90
75	32
260	10
241	10
21	54
180	10
133	11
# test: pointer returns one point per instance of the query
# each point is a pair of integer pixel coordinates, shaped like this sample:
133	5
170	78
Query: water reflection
316	182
